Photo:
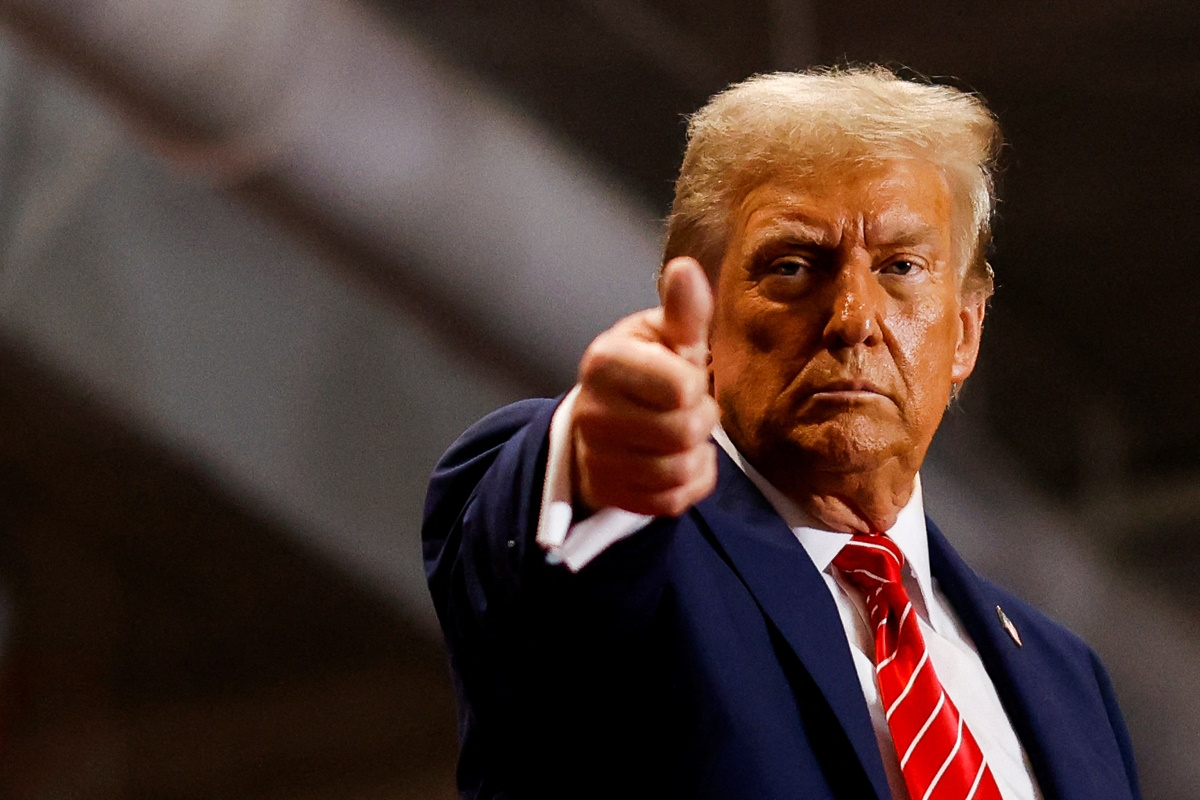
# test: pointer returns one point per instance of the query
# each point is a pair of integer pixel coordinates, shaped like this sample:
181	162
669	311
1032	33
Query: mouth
843	394
848	391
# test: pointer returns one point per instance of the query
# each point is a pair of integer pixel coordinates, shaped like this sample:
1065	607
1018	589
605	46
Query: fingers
687	304
642	419
623	367
641	431
658	486
621	424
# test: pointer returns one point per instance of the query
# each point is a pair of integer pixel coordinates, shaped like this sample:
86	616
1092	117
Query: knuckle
597	358
687	429
683	387
675	470
676	502
699	426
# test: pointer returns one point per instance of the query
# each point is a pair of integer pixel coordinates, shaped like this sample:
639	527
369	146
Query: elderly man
707	571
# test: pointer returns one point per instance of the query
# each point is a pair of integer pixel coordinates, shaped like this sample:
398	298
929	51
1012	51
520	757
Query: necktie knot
869	562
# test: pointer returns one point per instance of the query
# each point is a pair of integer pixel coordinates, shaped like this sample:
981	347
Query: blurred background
261	262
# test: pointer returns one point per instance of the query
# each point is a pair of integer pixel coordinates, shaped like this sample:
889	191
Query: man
635	609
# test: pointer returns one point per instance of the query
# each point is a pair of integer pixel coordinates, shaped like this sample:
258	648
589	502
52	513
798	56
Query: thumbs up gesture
642	419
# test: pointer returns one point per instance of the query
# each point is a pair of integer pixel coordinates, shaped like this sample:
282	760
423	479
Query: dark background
170	628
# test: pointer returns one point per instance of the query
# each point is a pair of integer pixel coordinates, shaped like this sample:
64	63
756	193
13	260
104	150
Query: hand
642	419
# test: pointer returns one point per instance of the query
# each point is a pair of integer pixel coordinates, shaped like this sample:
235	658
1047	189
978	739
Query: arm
517	626
537	649
634	438
483	495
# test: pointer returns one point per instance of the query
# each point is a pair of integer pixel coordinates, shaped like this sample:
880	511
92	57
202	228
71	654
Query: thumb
687	304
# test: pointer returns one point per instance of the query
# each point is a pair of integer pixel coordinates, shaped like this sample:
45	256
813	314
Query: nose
854	307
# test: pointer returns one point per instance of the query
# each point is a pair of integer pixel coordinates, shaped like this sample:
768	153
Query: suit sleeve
490	581
481	515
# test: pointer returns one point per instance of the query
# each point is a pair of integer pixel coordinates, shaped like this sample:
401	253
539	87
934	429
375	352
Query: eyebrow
792	230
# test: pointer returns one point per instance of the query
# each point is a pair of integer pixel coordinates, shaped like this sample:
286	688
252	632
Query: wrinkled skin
838	333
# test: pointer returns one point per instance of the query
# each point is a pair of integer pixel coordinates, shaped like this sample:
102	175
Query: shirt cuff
565	541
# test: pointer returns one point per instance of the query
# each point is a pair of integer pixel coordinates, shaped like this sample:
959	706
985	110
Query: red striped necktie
938	755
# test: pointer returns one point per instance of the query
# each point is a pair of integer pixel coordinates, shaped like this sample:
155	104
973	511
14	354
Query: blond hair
797	123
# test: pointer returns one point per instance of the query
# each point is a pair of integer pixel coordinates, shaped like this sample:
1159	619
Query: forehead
898	201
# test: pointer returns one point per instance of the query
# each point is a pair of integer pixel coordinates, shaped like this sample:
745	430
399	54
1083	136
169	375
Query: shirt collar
823	545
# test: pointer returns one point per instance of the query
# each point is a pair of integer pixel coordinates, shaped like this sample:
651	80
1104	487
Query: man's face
838	330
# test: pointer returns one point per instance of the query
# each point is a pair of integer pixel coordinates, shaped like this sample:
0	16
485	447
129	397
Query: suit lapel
975	604
792	594
1049	727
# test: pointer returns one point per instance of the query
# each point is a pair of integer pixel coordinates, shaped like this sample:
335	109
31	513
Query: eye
901	266
789	266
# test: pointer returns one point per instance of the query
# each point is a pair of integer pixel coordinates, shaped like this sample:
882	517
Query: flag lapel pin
1008	626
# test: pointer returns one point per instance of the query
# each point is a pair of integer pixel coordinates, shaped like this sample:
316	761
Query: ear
970	329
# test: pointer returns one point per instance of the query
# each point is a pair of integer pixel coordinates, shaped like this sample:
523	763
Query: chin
860	446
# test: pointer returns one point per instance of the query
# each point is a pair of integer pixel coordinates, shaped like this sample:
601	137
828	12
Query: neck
865	501
861	504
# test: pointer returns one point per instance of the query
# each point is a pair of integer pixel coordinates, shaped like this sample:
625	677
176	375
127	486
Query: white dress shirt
951	651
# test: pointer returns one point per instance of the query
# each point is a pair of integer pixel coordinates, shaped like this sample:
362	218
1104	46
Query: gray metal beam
430	190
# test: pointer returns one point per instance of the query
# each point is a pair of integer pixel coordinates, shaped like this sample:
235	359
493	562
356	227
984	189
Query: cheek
911	334
738	338
771	326
925	341
751	346
763	333
772	344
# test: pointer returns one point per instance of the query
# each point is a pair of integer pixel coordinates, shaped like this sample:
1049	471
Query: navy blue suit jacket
703	656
